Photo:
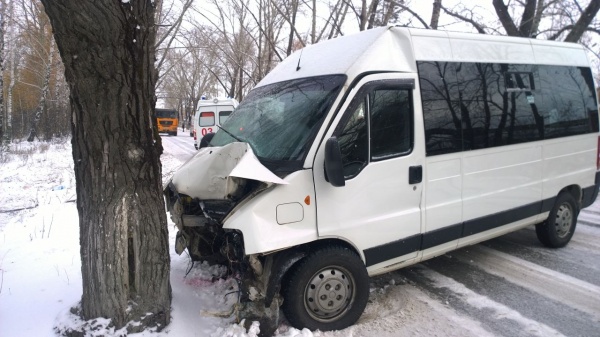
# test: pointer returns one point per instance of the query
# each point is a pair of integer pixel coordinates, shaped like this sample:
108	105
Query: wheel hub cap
328	294
564	220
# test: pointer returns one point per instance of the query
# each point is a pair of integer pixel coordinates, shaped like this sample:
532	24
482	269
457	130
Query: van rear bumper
590	193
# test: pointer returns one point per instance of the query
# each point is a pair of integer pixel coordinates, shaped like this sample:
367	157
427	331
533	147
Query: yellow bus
167	121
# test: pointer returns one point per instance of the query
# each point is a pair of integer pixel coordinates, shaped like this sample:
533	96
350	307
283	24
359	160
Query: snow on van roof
397	49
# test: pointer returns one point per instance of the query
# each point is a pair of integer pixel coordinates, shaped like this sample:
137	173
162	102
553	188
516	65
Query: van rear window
207	118
223	115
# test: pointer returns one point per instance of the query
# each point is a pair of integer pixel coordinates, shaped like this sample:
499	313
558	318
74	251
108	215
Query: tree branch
413	13
584	21
480	29
505	18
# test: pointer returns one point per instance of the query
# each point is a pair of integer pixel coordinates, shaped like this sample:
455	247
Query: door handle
415	174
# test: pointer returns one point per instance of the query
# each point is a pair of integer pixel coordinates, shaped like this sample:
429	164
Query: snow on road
504	287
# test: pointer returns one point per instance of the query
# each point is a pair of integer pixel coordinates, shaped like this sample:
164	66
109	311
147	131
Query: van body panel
567	162
497	231
257	217
371	212
550	52
500	179
375	50
223	165
443	211
443	201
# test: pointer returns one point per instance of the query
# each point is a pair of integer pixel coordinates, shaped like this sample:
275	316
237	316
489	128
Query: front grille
166	123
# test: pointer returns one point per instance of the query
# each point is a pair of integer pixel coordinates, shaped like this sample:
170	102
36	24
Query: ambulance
209	115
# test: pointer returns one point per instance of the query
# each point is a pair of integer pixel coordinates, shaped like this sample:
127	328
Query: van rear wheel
327	290
559	228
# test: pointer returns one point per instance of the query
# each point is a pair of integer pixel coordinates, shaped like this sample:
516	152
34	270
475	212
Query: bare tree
376	13
532	12
2	30
110	71
42	103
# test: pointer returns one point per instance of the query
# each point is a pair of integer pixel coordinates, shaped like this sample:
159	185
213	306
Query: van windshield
280	120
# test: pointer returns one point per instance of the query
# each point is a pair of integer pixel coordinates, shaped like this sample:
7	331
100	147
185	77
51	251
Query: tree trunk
505	18
42	103
7	137
528	19
108	51
435	14
584	21
2	27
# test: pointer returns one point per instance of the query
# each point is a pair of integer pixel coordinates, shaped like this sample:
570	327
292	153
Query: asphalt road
508	286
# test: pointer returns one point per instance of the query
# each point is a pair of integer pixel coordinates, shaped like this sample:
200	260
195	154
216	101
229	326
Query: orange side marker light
307	200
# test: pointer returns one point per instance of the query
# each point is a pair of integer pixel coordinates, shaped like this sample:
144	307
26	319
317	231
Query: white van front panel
282	216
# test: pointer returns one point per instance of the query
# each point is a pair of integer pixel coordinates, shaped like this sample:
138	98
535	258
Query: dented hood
208	175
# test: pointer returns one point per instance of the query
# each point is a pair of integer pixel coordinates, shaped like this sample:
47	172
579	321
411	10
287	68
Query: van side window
391	131
569	105
377	126
441	107
354	141
207	118
470	106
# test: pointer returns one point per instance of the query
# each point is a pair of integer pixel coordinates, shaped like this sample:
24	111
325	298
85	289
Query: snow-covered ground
40	276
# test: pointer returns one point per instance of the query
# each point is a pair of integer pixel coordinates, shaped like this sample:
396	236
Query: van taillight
195	135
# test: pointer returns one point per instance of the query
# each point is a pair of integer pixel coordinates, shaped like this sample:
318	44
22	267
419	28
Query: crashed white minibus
371	152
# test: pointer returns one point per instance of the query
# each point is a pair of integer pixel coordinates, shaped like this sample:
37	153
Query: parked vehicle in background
167	121
371	152
210	115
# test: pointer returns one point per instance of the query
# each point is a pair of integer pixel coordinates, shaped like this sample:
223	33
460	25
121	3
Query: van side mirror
334	169
205	141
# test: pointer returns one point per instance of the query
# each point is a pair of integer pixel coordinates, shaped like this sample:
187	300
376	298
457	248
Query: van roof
397	49
217	101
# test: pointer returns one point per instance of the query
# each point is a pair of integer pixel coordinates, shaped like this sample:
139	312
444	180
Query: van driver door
378	208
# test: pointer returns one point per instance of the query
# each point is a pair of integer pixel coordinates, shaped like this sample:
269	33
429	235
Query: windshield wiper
232	136
239	139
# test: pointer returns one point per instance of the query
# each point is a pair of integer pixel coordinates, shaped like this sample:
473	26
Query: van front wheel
327	290
559	228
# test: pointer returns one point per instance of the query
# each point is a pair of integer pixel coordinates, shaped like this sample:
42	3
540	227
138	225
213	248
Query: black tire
558	229
338	277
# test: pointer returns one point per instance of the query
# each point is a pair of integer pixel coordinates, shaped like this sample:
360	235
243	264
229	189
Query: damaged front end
200	197
205	190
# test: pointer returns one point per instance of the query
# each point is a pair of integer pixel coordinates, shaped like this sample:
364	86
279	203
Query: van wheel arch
283	261
558	229
326	290
575	191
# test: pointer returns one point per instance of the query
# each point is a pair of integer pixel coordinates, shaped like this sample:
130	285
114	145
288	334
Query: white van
209	115
371	152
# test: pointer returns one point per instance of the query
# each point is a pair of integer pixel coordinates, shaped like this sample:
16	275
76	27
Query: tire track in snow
576	259
546	282
487	310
